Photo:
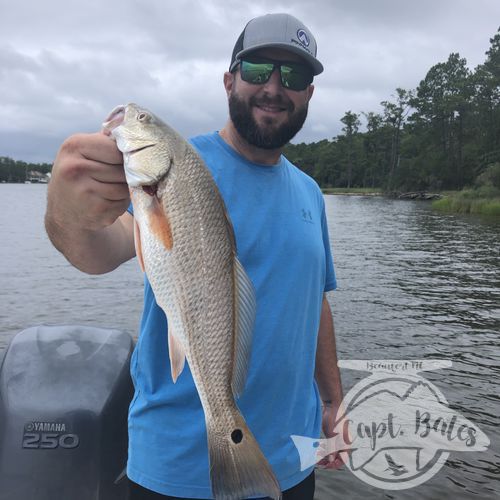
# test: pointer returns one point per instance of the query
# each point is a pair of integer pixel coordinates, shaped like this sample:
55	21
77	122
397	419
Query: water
413	284
40	286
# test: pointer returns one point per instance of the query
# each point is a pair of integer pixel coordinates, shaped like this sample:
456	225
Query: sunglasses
293	75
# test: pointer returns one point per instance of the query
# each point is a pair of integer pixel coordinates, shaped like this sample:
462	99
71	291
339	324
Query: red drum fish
185	244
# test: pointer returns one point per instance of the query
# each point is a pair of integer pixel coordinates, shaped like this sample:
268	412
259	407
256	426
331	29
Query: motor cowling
64	397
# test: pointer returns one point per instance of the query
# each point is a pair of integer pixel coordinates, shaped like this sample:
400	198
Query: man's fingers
74	169
110	174
337	462
95	146
114	191
108	191
102	212
332	461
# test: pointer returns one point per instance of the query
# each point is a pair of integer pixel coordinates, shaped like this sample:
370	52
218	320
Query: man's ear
310	92
228	82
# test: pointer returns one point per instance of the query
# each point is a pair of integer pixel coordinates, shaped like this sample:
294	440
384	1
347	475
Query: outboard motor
64	397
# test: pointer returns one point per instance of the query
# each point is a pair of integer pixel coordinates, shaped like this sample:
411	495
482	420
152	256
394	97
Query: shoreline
410	195
351	194
353	191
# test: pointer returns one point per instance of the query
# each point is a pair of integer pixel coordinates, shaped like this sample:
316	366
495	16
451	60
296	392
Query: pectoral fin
160	224
138	247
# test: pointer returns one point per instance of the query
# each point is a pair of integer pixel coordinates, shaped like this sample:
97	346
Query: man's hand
87	189
333	460
88	196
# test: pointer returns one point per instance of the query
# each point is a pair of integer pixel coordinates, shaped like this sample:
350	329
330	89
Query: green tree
376	143
395	114
351	126
442	102
486	104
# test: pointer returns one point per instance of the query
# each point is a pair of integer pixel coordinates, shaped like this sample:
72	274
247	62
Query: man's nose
273	85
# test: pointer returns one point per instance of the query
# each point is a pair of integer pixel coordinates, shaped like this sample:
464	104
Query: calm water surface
413	284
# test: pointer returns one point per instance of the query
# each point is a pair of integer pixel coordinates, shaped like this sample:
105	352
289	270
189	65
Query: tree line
17	171
441	135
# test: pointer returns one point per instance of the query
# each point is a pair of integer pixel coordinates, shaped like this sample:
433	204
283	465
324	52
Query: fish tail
238	468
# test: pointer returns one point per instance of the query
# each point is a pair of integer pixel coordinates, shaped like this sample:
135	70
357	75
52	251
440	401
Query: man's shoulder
204	141
301	176
212	149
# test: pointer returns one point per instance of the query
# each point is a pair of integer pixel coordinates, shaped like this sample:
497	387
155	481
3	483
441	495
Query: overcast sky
65	64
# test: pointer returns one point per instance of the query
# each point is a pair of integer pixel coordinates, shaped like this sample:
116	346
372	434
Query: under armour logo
306	215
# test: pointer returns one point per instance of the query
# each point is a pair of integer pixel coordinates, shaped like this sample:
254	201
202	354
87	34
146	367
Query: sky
64	64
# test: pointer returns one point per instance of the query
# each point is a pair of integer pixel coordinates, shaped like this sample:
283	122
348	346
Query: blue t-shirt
279	221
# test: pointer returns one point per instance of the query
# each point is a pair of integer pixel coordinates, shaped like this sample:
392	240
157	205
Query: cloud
65	64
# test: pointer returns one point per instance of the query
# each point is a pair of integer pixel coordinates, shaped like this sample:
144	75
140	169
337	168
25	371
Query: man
282	239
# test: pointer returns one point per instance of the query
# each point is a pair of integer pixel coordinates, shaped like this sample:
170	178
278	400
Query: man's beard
270	136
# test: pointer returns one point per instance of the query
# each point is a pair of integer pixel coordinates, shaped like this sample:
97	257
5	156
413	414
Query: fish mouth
115	119
137	150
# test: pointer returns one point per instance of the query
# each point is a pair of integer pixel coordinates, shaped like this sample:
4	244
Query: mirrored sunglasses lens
256	72
295	77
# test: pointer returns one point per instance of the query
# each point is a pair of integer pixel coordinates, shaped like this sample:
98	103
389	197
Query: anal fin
177	355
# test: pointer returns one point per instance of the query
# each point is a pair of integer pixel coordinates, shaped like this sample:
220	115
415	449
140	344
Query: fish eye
142	116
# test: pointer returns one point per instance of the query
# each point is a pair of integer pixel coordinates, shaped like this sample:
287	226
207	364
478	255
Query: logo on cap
303	38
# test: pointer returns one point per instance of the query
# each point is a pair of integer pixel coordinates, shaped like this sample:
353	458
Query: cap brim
309	59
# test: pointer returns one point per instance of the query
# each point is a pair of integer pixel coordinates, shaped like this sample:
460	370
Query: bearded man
278	214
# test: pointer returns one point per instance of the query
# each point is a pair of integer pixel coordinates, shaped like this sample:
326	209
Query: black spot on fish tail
237	436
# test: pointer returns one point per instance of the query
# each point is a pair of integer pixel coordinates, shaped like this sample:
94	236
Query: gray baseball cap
280	31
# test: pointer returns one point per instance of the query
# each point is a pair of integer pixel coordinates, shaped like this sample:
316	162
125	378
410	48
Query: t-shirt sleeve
330	279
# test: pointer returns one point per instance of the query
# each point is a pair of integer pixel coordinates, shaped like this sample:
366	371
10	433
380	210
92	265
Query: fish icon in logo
396	430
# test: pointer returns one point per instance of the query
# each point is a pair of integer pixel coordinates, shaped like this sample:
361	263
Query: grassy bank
353	191
483	201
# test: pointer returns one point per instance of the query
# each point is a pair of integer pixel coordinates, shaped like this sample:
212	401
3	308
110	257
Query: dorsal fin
245	311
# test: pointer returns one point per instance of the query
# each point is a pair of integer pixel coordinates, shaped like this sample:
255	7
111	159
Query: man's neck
251	153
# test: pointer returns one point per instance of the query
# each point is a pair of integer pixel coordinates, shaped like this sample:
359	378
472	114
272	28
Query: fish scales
196	273
185	279
186	245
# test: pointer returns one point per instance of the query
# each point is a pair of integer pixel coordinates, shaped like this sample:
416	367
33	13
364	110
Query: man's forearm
87	199
94	252
327	372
